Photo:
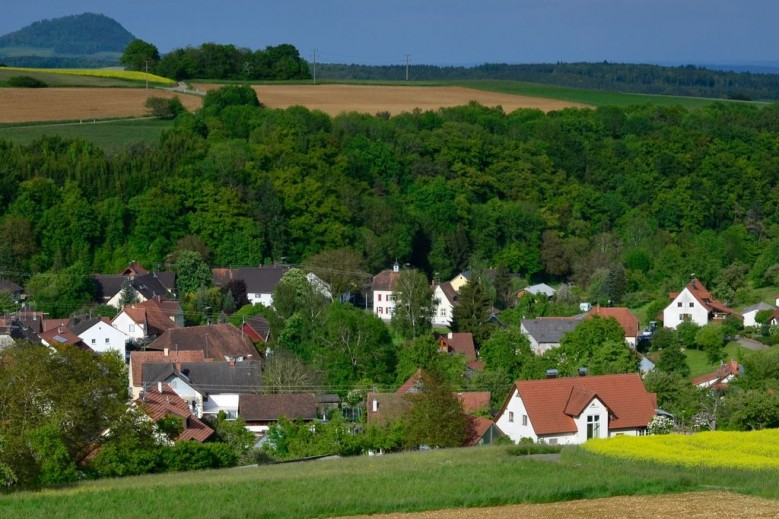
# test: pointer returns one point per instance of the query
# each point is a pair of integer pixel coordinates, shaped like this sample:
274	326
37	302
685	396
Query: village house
695	304
623	316
260	281
162	402
260	411
149	319
446	299
749	313
721	377
217	341
545	333
566	411
383	289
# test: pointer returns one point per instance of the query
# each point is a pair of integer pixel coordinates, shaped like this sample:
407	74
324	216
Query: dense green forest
645	194
686	80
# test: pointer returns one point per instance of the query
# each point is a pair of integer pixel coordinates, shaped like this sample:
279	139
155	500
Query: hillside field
412	482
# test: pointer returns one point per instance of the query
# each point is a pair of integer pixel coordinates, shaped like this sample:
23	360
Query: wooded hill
687	80
636	198
76	39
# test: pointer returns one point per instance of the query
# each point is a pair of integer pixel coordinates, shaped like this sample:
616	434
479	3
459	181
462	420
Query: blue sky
447	32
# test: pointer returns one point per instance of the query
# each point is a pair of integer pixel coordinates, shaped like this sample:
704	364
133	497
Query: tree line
687	80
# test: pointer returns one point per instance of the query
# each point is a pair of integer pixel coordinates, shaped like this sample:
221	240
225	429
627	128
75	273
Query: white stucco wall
128	327
684	303
383	304
443	309
511	419
227	402
264	299
103	337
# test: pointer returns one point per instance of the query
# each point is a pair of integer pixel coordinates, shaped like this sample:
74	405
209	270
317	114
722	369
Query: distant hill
79	40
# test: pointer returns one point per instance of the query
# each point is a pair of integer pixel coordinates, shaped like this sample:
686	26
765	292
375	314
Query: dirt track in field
371	99
721	505
72	104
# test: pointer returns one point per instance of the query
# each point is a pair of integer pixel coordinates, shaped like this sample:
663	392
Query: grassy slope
111	136
403	482
70	80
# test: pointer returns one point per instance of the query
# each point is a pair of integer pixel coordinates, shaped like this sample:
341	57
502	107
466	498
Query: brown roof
412	382
552	404
134	269
449	292
461	343
257	328
139	358
389	406
474	400
60	336
271	407
158	405
217	341
624	317
385	280
9	286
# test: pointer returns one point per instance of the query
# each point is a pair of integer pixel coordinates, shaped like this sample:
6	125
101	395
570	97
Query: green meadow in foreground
456	478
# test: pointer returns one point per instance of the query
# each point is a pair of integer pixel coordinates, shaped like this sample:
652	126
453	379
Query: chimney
159	386
582	372
165	352
396	267
231	361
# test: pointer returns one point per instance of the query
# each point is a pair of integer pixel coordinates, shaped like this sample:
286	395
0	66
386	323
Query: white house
260	281
99	335
567	411
545	333
149	318
383	288
445	297
750	312
696	304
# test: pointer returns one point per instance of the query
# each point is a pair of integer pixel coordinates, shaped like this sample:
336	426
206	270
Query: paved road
751	344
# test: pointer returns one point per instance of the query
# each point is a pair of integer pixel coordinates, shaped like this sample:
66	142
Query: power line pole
147	75
315	66
407	58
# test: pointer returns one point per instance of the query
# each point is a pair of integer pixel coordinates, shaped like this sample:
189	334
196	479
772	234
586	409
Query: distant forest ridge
81	34
689	80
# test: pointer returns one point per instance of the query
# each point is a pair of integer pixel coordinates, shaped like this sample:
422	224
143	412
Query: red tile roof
158	405
552	404
718	379
474	400
411	383
705	298
157	314
217	341
479	426
624	317
461	343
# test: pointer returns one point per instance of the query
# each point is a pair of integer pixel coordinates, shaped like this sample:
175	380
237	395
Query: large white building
695	304
383	288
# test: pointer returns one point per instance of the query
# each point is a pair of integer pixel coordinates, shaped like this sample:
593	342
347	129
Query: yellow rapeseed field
743	450
106	73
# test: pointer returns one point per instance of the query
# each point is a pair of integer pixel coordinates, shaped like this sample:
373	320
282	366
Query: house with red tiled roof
566	411
149	319
623	316
260	411
721	377
138	359
483	431
696	304
162	402
383	290
457	344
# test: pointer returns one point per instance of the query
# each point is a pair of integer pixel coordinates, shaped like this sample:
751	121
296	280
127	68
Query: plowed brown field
370	99
721	505
59	104
62	104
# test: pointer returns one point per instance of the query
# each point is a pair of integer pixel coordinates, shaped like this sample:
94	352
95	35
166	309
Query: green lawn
111	136
456	478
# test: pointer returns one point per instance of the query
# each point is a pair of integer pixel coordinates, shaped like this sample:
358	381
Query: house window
685	317
692	305
94	341
132	327
380	309
389	310
442	313
511	416
390	297
679	304
524	419
107	340
379	295
552	441
593	426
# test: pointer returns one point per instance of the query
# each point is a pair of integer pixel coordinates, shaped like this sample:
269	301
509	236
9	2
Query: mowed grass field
462	479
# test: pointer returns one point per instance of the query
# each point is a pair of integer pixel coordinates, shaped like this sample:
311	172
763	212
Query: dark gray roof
153	372
80	324
168	279
9	286
222	377
549	330
260	325
259	280
265	408
150	286
759	306
108	286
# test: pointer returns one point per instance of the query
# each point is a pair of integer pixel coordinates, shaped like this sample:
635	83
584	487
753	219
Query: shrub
164	107
660	425
26	82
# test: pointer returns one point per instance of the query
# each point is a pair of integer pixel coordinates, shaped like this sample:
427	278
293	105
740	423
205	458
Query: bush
26	82
165	107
